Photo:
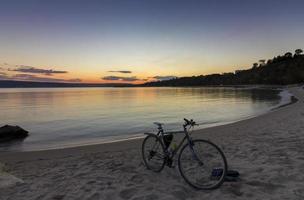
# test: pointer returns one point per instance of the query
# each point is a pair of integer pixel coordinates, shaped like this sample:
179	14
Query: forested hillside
281	70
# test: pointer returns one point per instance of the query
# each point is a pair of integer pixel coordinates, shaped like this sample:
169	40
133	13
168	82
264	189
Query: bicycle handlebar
187	121
190	122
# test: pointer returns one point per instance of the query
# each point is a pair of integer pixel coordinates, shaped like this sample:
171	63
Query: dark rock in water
8	133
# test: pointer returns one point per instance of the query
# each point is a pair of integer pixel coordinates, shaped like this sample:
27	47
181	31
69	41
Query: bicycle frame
158	145
186	137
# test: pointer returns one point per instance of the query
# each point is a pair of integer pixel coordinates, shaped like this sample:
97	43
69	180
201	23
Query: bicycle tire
202	164
160	165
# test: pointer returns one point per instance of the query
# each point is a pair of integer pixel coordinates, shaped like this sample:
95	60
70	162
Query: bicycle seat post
159	126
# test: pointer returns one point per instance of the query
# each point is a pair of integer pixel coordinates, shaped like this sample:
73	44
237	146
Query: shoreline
97	85
136	137
285	99
107	144
267	151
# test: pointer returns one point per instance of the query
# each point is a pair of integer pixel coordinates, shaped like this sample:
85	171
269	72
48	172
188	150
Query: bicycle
201	163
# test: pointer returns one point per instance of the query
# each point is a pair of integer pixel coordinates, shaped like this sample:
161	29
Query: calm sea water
62	117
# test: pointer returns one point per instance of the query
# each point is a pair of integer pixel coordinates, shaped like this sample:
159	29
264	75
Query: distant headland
281	70
30	84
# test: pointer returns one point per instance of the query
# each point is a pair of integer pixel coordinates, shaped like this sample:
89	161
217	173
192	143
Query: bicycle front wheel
202	164
153	153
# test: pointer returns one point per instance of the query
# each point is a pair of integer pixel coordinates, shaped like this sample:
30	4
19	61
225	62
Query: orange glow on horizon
90	72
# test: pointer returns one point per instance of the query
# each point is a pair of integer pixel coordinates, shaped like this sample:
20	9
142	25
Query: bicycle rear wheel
153	153
202	165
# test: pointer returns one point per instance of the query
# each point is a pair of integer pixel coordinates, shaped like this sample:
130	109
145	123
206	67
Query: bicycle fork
194	155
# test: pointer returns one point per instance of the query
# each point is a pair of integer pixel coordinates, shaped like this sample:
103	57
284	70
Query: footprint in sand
147	197
137	178
127	193
265	185
8	180
180	194
299	193
94	196
58	197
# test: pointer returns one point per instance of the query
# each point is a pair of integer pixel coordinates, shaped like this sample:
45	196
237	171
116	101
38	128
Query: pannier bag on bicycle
167	140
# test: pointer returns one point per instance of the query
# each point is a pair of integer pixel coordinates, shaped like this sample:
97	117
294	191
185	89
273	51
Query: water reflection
62	116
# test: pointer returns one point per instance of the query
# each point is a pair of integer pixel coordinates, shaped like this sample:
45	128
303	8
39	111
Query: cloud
120	78
74	80
122	71
29	77
33	70
4	65
3	75
164	78
2	69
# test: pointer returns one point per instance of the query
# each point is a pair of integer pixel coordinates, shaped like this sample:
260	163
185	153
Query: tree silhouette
288	55
262	62
255	65
298	52
280	70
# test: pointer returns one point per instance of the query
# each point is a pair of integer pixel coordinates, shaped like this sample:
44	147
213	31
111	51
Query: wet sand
267	150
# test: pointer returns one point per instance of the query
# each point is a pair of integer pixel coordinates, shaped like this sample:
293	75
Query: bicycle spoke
202	165
157	155
153	151
197	165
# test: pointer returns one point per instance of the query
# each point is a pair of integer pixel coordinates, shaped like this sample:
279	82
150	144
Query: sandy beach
267	150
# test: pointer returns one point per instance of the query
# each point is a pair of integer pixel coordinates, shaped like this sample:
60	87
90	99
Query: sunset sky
137	41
